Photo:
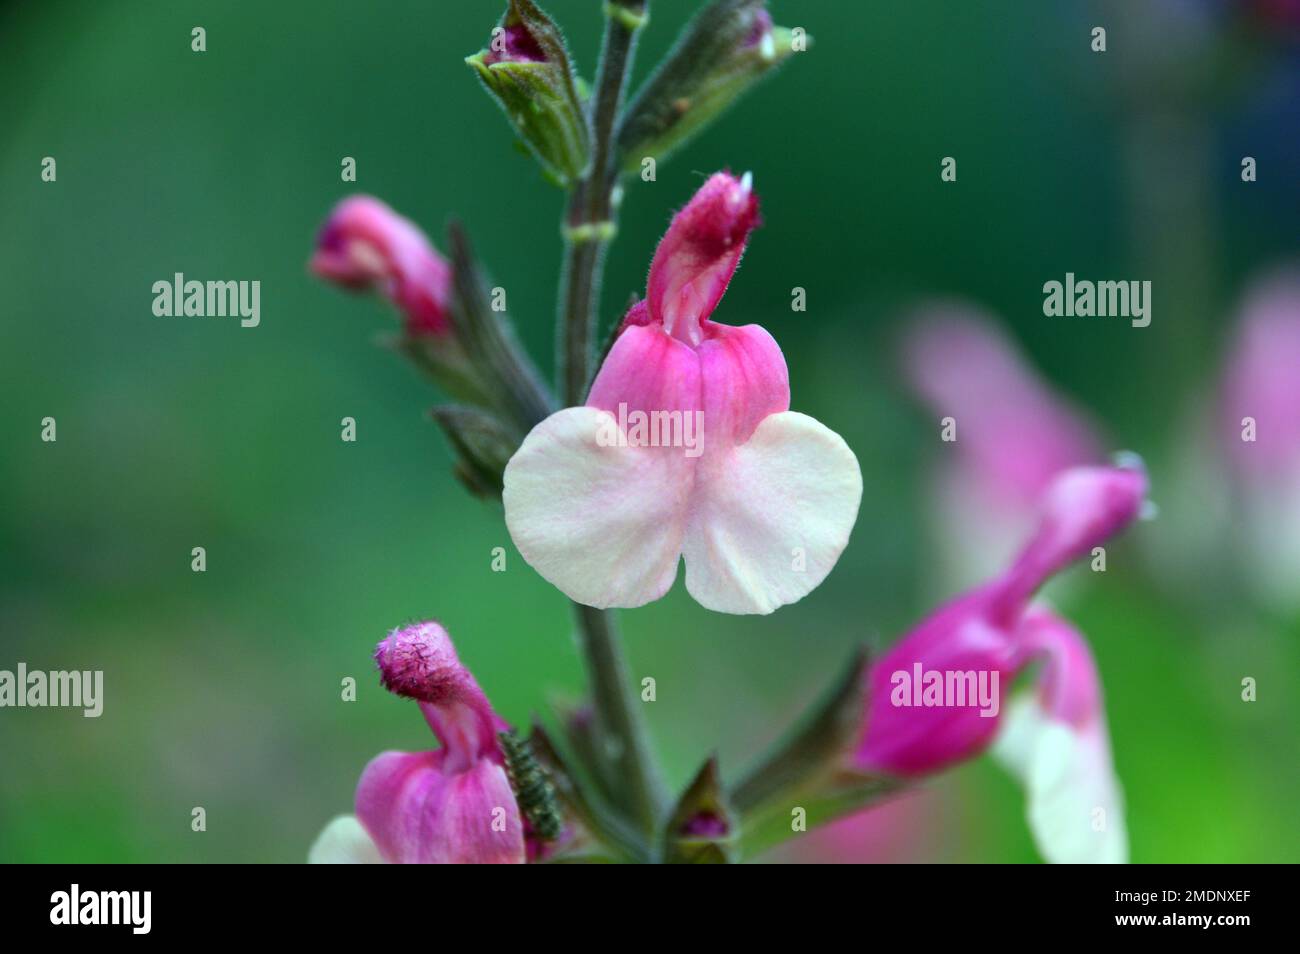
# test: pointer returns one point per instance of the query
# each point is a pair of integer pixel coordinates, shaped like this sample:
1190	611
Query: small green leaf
483	444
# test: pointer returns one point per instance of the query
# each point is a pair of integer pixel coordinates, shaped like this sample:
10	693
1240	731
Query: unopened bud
526	68
723	52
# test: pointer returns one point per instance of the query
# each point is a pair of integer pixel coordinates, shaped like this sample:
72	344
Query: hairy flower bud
453	804
526	68
724	51
365	245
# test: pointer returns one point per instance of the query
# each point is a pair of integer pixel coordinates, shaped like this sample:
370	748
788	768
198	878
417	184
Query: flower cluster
685	449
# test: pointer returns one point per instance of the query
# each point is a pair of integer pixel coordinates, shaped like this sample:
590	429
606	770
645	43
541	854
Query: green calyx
537	91
722	54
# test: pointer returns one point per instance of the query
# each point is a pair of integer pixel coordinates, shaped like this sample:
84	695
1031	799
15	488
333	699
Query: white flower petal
770	517
344	842
1073	803
604	524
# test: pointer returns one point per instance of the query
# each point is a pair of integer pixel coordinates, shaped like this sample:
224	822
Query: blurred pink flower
1259	420
1013	435
365	245
686	448
451	805
1262	382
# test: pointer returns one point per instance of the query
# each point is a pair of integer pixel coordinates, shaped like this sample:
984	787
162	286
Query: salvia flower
686	448
526	68
365	245
451	805
1011	435
937	697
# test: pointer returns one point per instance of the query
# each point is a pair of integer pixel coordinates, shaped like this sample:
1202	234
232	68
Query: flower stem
588	229
624	743
589	221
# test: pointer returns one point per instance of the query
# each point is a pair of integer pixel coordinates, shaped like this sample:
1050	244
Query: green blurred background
223	688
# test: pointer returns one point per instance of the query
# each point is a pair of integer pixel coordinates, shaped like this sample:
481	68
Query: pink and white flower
992	630
450	805
365	245
761	509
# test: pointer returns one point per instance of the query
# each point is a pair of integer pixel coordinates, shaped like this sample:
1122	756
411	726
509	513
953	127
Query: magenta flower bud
686	448
451	805
936	696
419	662
365	245
527	70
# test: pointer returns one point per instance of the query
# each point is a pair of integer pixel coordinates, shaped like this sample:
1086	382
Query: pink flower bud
451	805
365	245
419	662
686	448
936	696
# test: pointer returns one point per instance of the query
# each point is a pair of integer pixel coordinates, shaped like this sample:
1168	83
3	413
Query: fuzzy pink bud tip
699	253
419	662
366	245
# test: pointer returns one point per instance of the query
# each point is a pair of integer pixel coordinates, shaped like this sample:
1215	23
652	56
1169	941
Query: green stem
588	229
624	744
589	220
